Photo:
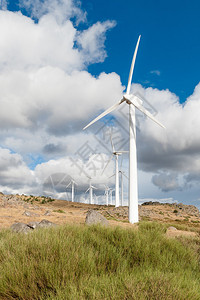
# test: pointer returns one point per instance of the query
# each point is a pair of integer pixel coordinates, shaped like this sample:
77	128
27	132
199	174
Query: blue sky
63	61
170	41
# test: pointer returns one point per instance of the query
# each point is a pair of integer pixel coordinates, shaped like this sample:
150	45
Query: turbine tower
90	189
134	102
116	154
72	183
122	186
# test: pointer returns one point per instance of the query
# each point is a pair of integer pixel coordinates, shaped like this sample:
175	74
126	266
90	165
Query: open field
74	261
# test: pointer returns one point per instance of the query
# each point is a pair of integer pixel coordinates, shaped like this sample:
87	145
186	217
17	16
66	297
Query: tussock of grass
79	262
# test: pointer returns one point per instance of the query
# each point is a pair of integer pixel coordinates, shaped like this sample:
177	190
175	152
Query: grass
59	211
80	262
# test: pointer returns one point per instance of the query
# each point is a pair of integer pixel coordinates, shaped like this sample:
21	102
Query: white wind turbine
134	102
116	155
72	183
111	195
107	190
90	189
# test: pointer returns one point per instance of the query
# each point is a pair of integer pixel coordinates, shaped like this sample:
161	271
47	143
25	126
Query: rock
47	213
94	217
20	227
172	228
33	225
45	223
30	214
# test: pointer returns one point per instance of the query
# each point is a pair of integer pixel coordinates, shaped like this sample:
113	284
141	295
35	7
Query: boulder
21	227
45	223
33	225
30	214
172	228
94	217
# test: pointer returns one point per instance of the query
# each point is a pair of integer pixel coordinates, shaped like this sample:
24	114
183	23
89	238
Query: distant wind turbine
116	155
72	183
90	189
134	102
107	189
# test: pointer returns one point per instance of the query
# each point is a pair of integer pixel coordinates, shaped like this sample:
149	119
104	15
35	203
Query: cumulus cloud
14	173
60	9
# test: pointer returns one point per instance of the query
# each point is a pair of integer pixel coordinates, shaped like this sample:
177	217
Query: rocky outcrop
21	227
30	214
25	228
93	217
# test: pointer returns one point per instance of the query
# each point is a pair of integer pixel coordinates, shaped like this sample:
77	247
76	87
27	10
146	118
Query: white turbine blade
145	111
94	187
87	190
75	182
106	112
113	148
107	163
132	67
68	185
112	176
124	175
120	152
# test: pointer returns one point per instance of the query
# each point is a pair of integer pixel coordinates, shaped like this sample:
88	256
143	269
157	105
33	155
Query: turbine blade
94	187
120	152
75	182
87	190
121	162
106	112
112	176
132	67
113	148
145	111
68	185
124	175
107	163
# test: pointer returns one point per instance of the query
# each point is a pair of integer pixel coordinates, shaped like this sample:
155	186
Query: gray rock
172	228
33	225
94	217
20	227
30	214
45	223
47	213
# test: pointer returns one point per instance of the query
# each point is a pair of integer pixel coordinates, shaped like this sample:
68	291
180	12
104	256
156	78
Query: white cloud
14	173
60	9
156	72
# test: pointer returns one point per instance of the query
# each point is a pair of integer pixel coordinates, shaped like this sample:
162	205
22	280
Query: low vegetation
40	200
80	262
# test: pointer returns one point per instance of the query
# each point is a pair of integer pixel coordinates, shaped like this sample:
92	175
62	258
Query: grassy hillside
80	262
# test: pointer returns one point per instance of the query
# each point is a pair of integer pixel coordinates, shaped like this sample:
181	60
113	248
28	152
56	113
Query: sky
62	62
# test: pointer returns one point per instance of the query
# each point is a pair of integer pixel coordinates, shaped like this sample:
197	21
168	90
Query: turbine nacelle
131	99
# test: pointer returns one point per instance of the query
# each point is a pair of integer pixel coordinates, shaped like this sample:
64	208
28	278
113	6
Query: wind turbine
90	189
116	155
134	102
72	183
107	189
110	194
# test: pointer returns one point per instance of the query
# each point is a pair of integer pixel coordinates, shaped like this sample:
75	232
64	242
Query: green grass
80	262
59	211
